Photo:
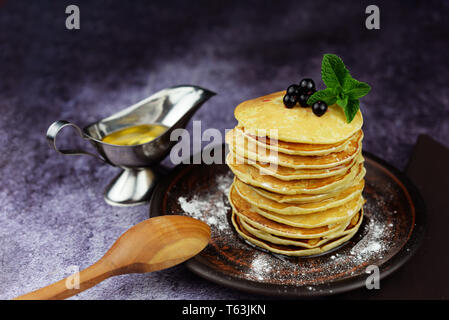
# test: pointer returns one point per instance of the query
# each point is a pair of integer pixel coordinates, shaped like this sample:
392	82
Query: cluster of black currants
300	93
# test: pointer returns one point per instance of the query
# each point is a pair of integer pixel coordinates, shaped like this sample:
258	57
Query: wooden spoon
151	245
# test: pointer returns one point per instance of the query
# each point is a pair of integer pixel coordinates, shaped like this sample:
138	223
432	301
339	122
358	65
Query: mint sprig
342	89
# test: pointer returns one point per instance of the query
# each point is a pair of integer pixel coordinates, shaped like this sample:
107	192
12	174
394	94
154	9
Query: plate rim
337	286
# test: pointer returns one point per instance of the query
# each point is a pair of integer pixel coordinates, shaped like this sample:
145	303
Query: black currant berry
293	90
302	99
307	85
289	100
319	108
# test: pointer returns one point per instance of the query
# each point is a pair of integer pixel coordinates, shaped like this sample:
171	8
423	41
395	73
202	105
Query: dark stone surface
52	214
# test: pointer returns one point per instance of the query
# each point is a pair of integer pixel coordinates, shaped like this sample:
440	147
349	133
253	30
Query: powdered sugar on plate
260	266
210	207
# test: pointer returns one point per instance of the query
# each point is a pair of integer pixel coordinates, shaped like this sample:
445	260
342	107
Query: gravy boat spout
171	108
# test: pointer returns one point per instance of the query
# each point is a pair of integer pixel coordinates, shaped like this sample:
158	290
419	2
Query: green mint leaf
333	71
337	91
351	109
327	95
342	88
343	101
349	83
359	90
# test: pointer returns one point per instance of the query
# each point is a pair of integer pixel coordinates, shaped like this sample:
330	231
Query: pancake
299	125
241	146
290	250
251	175
285	173
327	217
302	149
313	220
255	199
305	198
246	212
304	243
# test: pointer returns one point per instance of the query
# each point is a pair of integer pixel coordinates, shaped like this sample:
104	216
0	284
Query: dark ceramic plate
391	231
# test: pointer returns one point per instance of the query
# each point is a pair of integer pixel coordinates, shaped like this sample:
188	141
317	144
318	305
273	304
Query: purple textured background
52	214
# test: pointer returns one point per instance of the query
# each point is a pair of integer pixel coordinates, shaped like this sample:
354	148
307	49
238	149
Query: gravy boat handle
53	131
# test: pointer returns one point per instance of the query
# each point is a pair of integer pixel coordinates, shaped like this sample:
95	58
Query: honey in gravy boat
135	135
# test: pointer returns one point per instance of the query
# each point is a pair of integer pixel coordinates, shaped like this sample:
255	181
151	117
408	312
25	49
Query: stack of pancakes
298	177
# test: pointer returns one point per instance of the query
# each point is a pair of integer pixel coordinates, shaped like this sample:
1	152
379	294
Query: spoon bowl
151	245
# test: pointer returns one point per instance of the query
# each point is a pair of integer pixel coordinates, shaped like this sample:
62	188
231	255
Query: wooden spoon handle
60	290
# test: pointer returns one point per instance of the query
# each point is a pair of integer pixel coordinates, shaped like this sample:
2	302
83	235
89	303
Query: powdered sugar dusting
260	266
224	182
210	207
371	243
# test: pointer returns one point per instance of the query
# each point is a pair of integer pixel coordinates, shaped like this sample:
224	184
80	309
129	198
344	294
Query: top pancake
267	116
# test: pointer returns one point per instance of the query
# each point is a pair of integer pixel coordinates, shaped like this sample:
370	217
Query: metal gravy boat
171	107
